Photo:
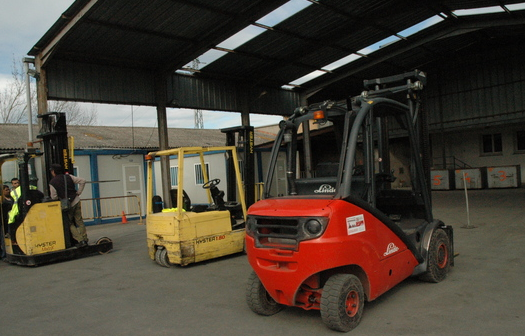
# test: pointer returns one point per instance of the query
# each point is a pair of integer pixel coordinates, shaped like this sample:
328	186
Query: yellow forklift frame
182	236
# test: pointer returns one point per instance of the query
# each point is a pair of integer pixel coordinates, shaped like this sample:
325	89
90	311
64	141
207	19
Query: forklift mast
245	144
352	154
55	143
413	83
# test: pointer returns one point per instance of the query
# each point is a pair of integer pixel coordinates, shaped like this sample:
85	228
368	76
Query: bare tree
13	107
75	114
13	104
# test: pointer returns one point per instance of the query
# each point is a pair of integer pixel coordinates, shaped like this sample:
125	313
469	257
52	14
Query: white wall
110	167
466	146
82	166
217	168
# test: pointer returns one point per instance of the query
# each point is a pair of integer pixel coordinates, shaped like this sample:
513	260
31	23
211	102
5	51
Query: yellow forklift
39	232
187	233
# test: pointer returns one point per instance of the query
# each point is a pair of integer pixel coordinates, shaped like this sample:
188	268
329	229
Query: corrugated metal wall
479	88
100	83
68	80
207	94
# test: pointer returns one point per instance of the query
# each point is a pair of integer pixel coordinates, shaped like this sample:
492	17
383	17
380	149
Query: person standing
7	195
15	189
7	203
16	192
61	184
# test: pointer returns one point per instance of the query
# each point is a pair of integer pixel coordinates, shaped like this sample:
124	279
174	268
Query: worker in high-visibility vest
16	192
15	195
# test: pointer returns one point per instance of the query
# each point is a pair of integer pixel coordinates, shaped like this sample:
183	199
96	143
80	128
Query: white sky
23	23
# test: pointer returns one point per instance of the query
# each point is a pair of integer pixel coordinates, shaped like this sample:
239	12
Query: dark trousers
78	230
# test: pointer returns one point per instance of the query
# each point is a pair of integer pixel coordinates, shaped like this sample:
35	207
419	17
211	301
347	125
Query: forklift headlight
313	226
250	226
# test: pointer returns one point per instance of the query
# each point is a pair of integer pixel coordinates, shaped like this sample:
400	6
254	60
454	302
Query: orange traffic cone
124	219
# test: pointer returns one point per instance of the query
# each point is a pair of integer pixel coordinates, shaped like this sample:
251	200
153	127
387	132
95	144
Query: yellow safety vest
15	195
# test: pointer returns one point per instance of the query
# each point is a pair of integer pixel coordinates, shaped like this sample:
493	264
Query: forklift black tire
342	302
438	257
161	257
103	240
258	299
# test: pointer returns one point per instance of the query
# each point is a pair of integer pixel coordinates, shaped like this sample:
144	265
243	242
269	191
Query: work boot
82	243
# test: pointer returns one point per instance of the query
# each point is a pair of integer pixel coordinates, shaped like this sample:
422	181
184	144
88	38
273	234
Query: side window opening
199	176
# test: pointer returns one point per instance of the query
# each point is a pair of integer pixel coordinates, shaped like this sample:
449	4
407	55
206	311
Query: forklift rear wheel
161	257
438	257
258	299
103	240
342	302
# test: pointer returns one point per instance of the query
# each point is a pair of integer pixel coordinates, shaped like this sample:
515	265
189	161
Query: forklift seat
185	199
235	208
326	169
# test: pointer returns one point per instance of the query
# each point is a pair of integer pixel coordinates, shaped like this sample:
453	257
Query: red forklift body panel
352	236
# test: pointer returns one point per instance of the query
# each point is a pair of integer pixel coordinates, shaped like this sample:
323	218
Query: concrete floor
125	293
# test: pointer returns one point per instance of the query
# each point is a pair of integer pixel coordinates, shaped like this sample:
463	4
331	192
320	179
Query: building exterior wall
477	93
467	146
217	169
82	169
111	168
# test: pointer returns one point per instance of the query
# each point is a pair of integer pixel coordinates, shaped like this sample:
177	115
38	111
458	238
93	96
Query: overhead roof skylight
518	6
273	18
206	58
241	37
420	26
294	6
284	12
368	50
309	77
341	62
376	46
476	11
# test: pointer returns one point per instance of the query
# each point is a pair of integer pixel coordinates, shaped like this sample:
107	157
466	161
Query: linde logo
391	248
325	188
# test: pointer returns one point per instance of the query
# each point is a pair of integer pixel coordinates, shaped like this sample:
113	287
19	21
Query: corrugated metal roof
104	137
164	35
152	34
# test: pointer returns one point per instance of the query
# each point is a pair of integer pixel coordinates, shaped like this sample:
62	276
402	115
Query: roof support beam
161	97
47	51
41	87
230	26
454	28
119	27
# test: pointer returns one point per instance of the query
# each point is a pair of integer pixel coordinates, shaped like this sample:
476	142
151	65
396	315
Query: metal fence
111	207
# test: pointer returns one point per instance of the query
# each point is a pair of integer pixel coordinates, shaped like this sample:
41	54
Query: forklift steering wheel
211	183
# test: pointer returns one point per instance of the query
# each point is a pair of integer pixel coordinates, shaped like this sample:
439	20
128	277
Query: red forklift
347	213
